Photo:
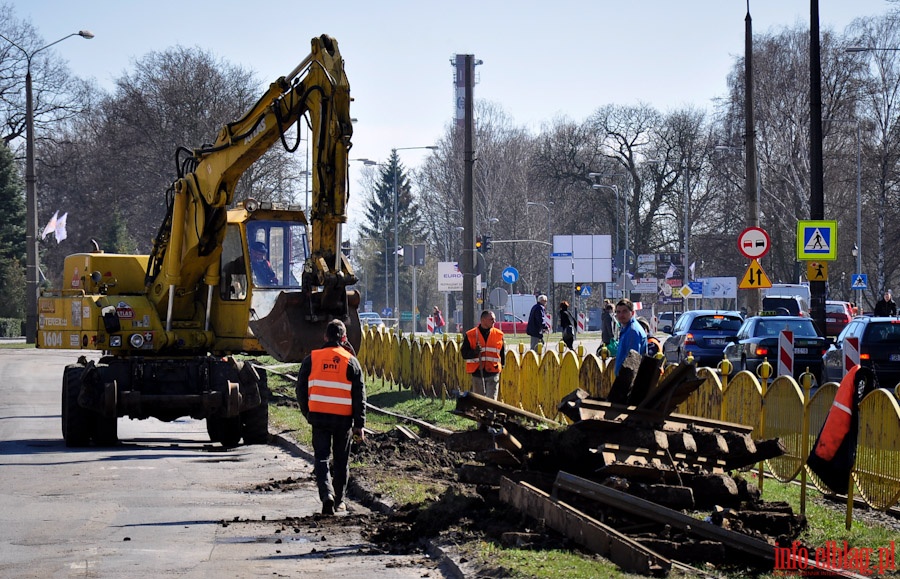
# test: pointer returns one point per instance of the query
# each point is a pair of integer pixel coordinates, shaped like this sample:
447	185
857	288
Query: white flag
51	227
61	228
671	271
692	270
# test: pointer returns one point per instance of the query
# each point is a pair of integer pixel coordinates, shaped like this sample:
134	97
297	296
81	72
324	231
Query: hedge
12	327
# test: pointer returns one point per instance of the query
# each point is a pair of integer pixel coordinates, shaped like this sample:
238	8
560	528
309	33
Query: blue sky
541	59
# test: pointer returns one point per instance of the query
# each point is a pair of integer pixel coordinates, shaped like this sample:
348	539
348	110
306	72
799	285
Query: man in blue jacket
537	323
631	335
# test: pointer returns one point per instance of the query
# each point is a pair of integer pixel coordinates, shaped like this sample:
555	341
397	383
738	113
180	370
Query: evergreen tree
118	237
12	288
12	199
12	238
378	224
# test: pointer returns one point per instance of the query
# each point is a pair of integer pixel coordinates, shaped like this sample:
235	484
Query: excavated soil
451	513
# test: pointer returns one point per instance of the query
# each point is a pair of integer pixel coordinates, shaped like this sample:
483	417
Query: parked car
837	316
757	340
702	334
510	324
666	321
879	349
787	305
371	319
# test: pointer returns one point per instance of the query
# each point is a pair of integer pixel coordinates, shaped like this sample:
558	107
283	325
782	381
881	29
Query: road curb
373	501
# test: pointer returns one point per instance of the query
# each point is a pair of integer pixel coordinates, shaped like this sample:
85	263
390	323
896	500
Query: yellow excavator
262	278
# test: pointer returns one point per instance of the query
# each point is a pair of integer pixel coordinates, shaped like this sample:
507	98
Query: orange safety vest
329	388
837	423
489	358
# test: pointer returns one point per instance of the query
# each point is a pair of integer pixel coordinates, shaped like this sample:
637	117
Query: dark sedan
879	349
702	334
757	340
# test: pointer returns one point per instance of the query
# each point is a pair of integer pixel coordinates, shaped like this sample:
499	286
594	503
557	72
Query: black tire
105	426
226	431
255	422
214	428
105	431
77	422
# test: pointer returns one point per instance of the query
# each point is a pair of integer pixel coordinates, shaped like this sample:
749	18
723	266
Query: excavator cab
263	258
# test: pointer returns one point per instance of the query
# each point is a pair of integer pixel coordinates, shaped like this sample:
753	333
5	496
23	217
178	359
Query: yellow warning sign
755	277
817	270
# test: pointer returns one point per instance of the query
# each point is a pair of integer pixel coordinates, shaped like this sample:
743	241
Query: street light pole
396	162
627	241
32	269
857	249
549	257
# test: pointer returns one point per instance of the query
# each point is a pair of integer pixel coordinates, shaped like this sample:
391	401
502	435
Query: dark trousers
568	337
328	440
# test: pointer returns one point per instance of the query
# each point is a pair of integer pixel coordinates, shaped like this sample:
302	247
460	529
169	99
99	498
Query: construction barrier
536	381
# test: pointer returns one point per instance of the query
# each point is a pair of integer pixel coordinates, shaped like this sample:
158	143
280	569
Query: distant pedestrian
631	335
606	323
653	345
332	398
567	324
537	322
438	319
484	351
886	306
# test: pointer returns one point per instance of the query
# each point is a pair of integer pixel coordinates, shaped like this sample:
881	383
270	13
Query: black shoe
328	507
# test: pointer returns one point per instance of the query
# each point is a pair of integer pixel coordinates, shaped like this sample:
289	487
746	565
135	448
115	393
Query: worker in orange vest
483	350
332	398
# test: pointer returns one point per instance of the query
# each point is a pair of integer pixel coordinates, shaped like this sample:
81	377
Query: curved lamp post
550	240
32	275
397	231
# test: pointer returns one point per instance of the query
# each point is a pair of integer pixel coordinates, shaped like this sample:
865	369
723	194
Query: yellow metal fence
536	382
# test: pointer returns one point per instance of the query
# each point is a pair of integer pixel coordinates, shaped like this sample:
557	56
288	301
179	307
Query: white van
520	305
788	289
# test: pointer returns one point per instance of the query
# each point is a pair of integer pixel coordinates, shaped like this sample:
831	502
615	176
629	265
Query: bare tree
115	164
879	102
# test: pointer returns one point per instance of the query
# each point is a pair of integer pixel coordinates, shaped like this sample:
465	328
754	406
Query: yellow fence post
806	380
764	370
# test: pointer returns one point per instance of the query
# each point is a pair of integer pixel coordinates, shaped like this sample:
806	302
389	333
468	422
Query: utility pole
469	273
817	187
750	179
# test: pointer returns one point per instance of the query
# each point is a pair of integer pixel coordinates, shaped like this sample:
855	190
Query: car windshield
715	323
882	333
800	328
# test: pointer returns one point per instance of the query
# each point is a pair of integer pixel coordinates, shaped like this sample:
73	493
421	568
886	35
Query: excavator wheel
226	431
255	422
105	425
289	336
77	422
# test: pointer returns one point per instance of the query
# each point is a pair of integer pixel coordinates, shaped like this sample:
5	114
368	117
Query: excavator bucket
295	326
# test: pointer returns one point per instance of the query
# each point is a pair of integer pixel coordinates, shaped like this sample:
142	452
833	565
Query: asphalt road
165	503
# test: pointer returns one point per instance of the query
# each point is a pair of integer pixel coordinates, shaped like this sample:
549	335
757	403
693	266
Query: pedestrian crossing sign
859	281
817	240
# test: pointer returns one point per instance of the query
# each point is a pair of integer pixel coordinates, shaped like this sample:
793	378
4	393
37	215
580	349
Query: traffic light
487	243
479	246
578	288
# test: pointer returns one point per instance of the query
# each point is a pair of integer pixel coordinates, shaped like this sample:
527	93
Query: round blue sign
510	275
